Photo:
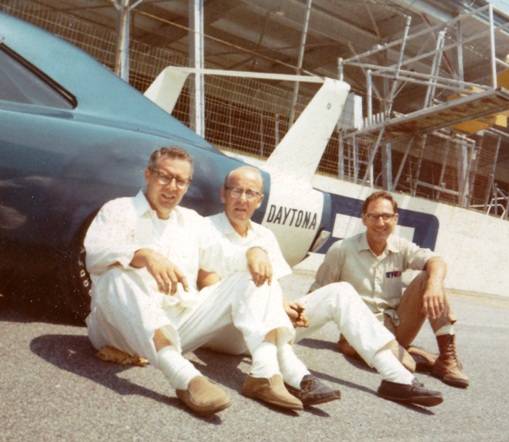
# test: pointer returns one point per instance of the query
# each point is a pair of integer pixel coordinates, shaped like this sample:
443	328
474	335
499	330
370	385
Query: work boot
204	397
272	391
313	392
447	368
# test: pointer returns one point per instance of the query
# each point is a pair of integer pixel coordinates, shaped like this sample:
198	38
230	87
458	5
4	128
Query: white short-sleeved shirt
125	225
256	235
376	278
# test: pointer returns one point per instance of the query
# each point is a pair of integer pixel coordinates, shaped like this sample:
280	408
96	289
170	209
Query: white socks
390	368
264	361
176	368
292	368
268	360
447	329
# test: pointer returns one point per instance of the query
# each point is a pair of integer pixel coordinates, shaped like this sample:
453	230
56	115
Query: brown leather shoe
447	368
313	391
204	397
272	391
415	393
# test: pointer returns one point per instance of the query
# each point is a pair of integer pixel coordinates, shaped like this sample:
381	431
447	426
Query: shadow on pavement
222	368
75	354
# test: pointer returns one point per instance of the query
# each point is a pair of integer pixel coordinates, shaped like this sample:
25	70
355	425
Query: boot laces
449	352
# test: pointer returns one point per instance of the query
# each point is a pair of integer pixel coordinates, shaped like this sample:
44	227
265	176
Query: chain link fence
252	116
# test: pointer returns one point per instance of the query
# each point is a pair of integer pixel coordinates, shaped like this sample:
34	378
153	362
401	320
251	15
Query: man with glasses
373	262
143	255
242	194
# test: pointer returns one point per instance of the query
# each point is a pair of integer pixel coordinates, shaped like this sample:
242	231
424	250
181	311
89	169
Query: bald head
242	194
245	172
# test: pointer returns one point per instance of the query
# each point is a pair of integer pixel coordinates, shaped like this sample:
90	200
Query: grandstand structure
431	79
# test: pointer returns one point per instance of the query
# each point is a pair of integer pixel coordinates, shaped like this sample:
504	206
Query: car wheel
74	281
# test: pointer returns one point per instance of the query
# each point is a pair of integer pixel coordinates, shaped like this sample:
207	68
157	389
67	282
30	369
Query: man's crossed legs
340	303
129	315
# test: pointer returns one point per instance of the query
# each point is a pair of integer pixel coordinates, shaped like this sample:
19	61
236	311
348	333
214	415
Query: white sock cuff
447	329
292	368
177	369
264	361
390	368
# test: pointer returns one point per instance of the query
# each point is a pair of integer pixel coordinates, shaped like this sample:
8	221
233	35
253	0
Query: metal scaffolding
455	126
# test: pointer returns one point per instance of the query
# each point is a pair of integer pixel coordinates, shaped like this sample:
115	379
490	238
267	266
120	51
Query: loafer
272	391
204	397
415	393
313	392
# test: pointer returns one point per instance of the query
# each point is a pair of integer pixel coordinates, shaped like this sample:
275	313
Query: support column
459	50
124	8
123	28
369	97
493	57
415	182
197	60
491	174
300	61
341	157
445	154
387	167
463	174
355	159
403	162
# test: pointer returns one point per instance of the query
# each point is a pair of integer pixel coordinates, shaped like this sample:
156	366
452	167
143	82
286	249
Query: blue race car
72	136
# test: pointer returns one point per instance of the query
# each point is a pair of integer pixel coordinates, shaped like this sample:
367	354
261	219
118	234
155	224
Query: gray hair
172	152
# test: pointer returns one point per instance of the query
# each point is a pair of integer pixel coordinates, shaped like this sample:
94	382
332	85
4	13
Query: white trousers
337	302
126	312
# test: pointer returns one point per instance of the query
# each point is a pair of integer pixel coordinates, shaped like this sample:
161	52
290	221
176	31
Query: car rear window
23	83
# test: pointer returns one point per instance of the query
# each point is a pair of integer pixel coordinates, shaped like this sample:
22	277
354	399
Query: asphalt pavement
53	388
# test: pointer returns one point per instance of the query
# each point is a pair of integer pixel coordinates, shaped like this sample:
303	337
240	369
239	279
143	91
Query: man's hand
433	301
166	274
295	312
259	265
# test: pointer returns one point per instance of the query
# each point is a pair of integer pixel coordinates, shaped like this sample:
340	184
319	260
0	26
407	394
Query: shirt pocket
393	285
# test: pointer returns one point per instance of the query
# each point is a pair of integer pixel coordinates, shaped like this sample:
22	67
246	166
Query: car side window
20	82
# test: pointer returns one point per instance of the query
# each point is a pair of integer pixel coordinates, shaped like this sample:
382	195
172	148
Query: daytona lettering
292	217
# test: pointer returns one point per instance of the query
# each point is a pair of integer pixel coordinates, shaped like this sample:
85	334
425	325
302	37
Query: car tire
74	280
